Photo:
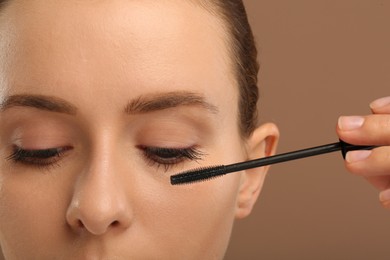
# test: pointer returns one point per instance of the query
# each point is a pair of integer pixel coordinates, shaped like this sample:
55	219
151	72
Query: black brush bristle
197	175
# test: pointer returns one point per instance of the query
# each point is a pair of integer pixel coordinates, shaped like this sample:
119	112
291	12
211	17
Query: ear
261	143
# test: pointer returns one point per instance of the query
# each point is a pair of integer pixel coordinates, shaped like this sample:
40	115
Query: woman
103	100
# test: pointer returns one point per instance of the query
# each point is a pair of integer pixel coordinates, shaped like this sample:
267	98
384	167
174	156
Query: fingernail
384	196
381	102
350	122
355	156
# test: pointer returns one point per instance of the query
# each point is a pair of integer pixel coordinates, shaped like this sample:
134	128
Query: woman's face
102	102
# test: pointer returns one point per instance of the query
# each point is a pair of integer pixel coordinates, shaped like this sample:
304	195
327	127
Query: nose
99	202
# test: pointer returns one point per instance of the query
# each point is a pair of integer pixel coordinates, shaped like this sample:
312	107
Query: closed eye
37	158
167	157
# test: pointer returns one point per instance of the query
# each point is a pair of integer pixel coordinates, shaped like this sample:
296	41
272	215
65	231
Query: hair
242	45
2	2
247	66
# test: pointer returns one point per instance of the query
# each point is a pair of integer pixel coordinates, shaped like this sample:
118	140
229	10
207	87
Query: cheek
192	218
209	203
31	213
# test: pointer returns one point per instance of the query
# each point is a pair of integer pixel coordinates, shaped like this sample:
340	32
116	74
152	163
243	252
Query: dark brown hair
2	2
247	67
242	45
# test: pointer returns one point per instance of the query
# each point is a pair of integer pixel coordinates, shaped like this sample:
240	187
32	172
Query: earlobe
261	143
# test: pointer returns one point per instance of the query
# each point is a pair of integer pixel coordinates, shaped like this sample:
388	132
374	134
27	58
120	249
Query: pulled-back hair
247	67
2	2
242	46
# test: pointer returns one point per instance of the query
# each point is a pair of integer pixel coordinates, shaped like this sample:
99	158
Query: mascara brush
206	173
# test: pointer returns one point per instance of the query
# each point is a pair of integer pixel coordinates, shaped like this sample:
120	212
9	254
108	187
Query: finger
369	163
365	130
381	106
384	198
380	182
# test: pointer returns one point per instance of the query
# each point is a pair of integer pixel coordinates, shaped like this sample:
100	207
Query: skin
103	197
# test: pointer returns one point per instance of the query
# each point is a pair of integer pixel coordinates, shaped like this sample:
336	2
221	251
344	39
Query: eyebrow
48	103
142	104
145	104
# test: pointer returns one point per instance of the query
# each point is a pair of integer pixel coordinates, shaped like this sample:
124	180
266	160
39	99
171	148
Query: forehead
137	29
149	35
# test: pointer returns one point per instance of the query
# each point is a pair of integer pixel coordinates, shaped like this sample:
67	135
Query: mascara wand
206	173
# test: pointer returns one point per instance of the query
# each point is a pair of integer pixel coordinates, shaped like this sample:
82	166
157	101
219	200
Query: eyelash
168	157
156	156
38	158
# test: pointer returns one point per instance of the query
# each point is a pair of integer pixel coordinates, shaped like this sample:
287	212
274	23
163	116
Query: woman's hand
370	130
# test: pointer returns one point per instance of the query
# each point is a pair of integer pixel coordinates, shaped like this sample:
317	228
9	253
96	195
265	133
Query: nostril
115	223
80	224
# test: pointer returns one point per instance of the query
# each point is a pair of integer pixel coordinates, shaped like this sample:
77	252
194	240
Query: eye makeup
172	128
168	157
37	158
164	141
170	139
155	156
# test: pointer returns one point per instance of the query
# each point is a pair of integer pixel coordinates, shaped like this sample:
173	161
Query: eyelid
192	152
179	155
30	130
37	157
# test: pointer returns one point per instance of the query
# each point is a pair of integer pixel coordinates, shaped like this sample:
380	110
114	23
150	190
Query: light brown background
320	59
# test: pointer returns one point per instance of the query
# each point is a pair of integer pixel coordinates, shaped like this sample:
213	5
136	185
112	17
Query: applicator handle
346	147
